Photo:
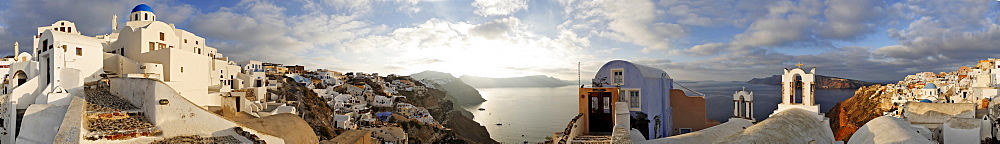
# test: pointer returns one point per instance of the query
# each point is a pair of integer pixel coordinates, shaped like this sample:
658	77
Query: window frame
620	81
79	51
634	104
681	130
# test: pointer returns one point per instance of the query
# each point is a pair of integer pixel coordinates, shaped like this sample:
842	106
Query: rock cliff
527	81
868	102
319	115
822	82
457	91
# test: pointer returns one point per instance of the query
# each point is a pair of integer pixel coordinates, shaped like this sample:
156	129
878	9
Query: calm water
532	112
538	112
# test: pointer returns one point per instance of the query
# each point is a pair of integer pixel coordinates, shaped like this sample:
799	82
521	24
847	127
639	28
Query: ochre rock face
849	115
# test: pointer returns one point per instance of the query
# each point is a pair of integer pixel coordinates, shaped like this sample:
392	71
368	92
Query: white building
345	121
382	101
186	74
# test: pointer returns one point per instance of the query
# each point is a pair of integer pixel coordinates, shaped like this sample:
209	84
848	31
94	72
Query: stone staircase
592	139
113	118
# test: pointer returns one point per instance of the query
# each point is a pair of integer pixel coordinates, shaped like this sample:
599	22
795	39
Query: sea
531	114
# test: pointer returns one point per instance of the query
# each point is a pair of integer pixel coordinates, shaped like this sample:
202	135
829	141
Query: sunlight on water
532	112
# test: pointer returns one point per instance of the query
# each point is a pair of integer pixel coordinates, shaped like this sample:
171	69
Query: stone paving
195	139
112	117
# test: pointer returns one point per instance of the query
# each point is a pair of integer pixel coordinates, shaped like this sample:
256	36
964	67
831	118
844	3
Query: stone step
592	139
114	118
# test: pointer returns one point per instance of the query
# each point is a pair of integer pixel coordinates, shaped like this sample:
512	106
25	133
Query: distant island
822	82
527	81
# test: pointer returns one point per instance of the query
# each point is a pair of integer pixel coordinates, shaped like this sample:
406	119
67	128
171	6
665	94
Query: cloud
941	35
806	23
633	21
707	49
462	48
487	8
849	19
715	13
21	18
261	30
785	23
495	29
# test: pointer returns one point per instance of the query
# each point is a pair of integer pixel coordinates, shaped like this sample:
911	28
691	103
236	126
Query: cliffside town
150	82
947	107
369	102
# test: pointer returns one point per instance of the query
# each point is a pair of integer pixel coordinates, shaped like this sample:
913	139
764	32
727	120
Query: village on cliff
149	82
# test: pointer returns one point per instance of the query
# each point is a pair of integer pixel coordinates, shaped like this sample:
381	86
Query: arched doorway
21	78
741	108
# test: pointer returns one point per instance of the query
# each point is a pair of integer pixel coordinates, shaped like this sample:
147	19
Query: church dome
142	7
930	86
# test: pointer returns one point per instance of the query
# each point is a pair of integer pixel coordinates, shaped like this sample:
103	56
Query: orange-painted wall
689	111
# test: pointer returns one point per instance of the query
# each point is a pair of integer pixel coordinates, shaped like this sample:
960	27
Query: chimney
114	23
16	49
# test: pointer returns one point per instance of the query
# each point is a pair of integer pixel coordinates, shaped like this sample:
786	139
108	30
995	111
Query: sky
724	40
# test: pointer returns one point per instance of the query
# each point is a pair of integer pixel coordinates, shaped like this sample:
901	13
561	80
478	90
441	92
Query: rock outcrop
868	102
312	108
457	91
822	82
526	81
319	115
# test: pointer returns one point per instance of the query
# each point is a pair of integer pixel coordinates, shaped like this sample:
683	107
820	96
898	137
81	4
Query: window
152	46
185	40
62	29
162	36
635	99
607	104
145	16
70	29
162	46
593	104
195	42
618	76
684	130
79	51
182	69
44	44
135	17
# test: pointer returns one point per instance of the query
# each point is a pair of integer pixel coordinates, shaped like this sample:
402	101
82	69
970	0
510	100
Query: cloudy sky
692	40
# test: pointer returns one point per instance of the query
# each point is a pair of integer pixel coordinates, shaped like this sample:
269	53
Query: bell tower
798	90
743	105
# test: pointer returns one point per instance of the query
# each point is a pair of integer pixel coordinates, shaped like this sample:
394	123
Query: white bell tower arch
743	105
797	84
